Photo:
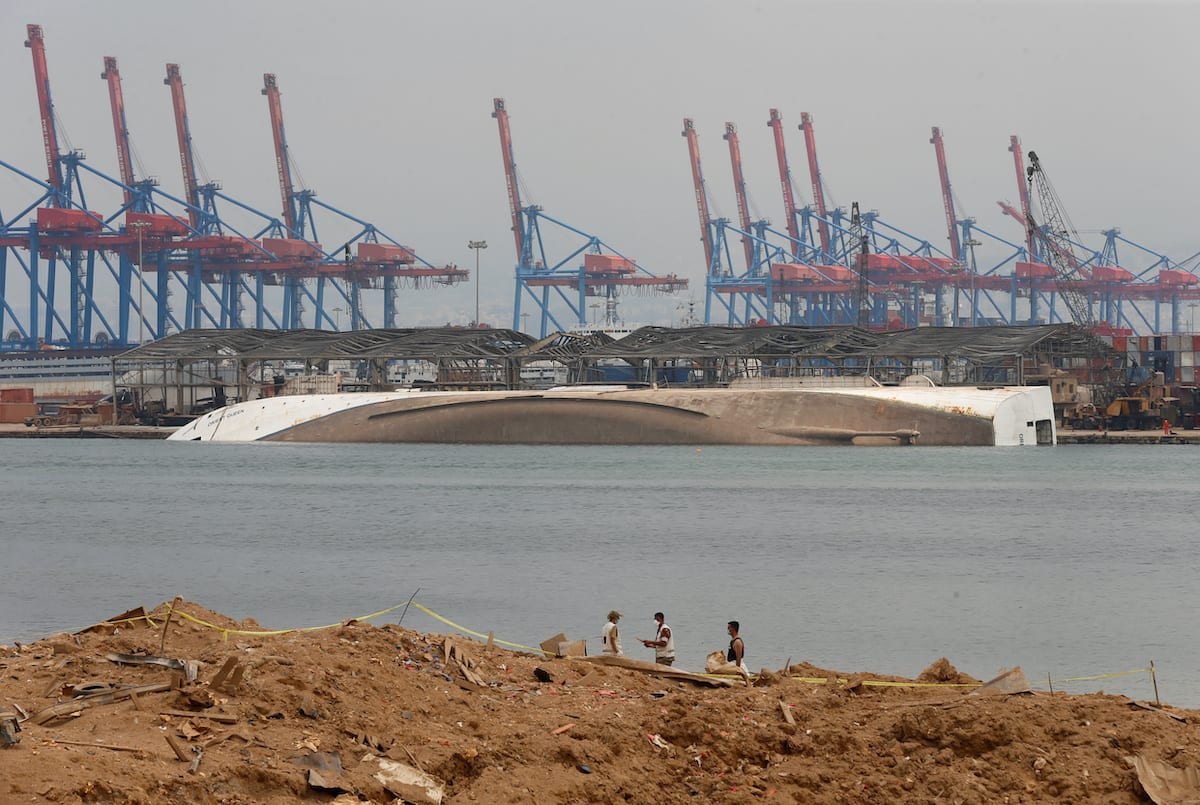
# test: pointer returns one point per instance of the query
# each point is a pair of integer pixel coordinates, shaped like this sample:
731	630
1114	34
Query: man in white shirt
663	642
610	640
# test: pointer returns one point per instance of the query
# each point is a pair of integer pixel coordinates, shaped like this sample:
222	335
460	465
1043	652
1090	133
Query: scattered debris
411	785
642	733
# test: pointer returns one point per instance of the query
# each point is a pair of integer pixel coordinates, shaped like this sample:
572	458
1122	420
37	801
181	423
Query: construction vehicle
1143	405
51	414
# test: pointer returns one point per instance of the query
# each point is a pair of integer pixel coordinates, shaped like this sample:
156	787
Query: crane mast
1057	233
947	194
116	99
37	44
814	171
739	188
862	299
271	90
1014	146
186	159
785	180
689	131
510	176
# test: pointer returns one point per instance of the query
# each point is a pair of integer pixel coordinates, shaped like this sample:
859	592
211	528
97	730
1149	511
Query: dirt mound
359	712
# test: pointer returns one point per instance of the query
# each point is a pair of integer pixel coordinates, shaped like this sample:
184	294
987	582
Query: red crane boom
947	195
785	179
186	160
510	175
689	131
116	100
271	90
41	76
810	144
739	189
1014	145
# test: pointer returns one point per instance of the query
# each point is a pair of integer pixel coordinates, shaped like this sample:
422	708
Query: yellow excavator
1143	406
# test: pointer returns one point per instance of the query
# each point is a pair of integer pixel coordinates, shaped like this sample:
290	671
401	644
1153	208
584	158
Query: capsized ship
620	415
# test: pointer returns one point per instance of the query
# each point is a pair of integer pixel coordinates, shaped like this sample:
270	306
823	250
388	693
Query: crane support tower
592	269
814	172
739	189
785	182
939	150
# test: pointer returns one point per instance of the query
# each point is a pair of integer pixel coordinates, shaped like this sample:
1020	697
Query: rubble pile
168	709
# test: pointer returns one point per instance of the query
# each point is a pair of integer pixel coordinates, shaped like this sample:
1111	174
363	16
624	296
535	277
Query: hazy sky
387	108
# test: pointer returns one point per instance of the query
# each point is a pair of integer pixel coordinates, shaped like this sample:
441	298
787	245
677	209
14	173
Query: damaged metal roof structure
702	356
1003	355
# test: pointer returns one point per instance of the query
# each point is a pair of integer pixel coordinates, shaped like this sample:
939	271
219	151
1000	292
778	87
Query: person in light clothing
663	642
610	639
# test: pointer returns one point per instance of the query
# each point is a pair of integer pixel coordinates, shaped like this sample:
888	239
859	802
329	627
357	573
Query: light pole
337	318
525	320
971	244
139	226
476	245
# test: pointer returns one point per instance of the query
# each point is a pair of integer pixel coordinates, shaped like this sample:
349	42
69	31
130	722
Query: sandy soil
320	716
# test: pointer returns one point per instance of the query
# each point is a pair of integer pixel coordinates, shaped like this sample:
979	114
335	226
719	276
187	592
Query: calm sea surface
1069	562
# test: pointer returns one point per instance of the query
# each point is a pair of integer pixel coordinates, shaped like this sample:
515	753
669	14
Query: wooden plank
654	669
223	718
787	712
114	747
179	748
75	705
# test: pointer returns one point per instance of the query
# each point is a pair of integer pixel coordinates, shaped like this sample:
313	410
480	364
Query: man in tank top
663	642
737	648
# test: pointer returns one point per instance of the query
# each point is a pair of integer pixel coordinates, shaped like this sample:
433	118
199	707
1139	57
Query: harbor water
1069	562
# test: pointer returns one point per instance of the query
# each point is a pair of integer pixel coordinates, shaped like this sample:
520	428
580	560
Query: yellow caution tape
1102	676
815	680
464	630
225	631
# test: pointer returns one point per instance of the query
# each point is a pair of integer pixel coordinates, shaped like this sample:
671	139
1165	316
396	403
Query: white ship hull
1001	416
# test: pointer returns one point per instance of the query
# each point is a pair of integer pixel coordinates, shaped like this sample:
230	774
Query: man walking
610	639
663	642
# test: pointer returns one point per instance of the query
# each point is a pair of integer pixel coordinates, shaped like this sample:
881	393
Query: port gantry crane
814	172
739	191
207	255
721	284
378	260
604	271
1162	281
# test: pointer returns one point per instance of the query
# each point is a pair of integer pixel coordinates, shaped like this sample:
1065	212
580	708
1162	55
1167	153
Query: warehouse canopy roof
432	343
982	343
427	343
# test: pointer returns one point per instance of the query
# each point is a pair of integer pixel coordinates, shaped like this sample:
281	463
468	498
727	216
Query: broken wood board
1164	784
572	648
654	669
550	644
108	697
408	783
222	718
1008	681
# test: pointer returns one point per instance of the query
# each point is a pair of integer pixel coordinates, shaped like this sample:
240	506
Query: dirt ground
331	715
